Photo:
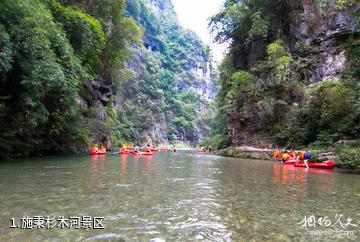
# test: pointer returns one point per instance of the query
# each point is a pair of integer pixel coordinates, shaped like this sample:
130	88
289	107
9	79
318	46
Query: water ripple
105	236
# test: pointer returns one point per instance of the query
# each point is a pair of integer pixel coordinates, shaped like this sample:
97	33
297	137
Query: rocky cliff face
163	9
197	76
138	101
326	33
101	97
314	35
162	64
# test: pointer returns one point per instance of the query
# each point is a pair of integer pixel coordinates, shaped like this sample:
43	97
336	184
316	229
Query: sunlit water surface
176	197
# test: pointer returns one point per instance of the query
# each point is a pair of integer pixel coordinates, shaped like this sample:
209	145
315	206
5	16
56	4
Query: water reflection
123	162
284	173
97	170
98	157
148	164
289	176
287	173
175	197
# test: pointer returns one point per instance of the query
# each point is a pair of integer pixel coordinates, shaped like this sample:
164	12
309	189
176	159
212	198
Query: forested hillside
291	75
75	72
172	79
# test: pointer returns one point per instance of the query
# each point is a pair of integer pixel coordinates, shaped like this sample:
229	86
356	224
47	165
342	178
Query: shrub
349	156
328	112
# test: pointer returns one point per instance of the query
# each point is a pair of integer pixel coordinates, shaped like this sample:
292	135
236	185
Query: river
181	196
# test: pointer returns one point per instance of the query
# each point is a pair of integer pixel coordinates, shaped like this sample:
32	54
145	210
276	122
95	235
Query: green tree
39	81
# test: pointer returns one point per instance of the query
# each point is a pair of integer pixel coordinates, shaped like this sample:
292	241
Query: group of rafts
149	150
128	149
302	159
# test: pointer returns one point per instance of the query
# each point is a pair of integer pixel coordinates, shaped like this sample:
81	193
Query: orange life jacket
277	154
302	155
293	154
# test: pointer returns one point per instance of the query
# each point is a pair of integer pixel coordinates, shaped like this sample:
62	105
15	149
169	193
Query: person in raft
292	154
285	156
148	148
95	148
102	149
304	157
136	149
174	148
123	148
277	155
210	148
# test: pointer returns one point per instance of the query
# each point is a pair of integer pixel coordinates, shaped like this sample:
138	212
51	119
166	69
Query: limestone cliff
325	32
170	79
198	74
315	36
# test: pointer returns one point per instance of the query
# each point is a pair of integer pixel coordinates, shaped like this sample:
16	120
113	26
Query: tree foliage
40	76
49	49
77	71
281	106
157	92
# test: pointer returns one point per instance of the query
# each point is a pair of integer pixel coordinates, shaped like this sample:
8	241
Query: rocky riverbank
248	152
345	156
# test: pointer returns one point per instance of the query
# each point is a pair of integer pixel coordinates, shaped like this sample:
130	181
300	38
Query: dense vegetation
40	76
74	72
264	91
158	99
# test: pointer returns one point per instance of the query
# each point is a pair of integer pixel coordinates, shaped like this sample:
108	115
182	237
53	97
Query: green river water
181	196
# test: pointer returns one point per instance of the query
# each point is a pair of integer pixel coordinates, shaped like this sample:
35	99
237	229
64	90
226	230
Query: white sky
194	15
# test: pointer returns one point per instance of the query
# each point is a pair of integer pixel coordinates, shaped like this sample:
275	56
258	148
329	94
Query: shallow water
177	197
